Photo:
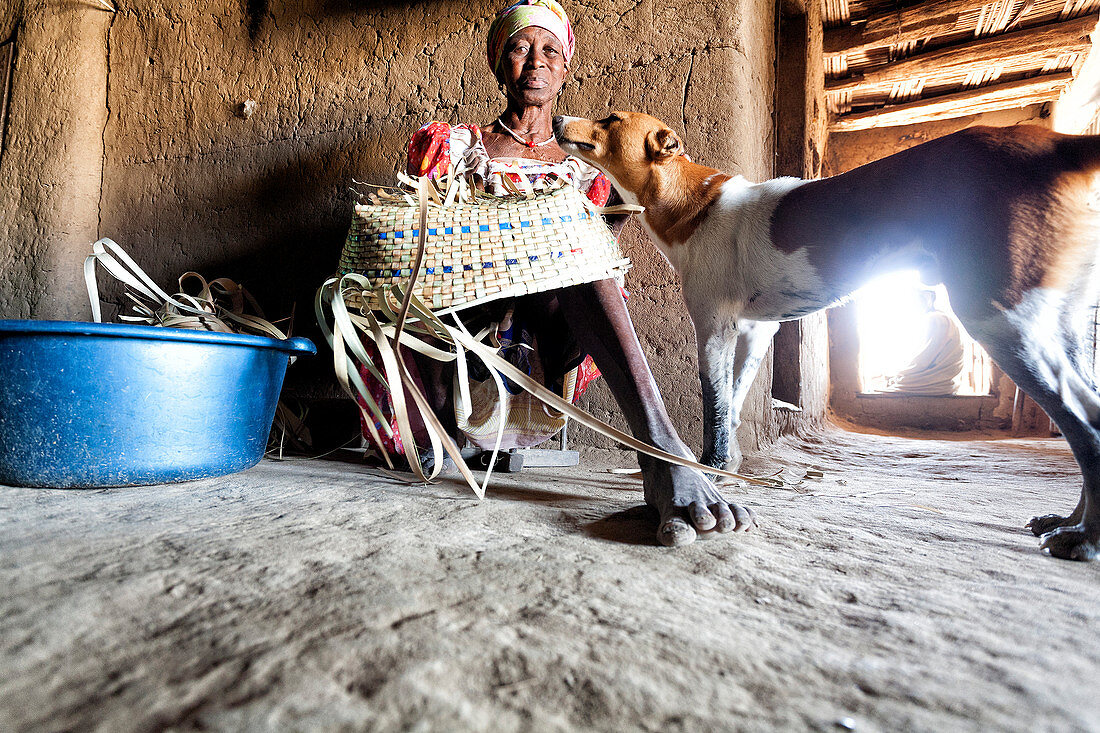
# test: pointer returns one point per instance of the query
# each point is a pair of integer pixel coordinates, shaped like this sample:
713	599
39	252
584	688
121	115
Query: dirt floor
898	592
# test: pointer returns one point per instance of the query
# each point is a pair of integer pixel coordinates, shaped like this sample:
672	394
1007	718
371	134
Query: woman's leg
437	378
686	500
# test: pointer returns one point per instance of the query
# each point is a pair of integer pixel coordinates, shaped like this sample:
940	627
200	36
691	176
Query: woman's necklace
519	139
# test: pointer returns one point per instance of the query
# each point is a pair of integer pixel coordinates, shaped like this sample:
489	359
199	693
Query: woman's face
532	67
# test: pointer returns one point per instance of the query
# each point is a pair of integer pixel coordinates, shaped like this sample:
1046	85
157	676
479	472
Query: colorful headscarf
542	13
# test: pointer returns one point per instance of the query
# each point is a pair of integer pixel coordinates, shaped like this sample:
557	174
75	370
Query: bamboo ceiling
892	63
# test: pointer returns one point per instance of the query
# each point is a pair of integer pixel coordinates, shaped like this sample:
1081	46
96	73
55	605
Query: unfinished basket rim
484	250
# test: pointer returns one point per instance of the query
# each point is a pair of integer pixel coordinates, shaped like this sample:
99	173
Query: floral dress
434	150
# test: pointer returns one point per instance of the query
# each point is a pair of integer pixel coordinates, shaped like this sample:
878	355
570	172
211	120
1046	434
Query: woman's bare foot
689	505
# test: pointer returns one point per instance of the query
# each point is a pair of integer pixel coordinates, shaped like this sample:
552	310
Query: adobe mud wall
222	137
51	162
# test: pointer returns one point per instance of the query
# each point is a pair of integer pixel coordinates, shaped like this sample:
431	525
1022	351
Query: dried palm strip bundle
218	305
388	308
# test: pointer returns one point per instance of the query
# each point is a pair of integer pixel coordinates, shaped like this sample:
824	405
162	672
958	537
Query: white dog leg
716	347
753	340
724	395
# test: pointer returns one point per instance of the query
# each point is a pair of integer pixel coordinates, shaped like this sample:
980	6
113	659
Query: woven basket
481	251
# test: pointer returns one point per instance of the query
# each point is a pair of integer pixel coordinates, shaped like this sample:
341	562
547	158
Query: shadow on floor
634	526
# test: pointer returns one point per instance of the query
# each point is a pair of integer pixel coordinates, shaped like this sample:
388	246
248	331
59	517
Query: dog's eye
609	119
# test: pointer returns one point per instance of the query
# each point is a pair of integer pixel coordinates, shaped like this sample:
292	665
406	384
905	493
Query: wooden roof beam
899	26
1008	95
1032	47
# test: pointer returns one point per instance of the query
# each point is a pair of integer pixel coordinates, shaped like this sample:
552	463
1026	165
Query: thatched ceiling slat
1031	47
986	99
899	26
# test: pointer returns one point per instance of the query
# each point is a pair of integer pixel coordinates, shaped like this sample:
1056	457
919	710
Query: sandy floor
899	592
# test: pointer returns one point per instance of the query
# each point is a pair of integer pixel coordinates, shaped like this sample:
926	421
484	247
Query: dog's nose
556	125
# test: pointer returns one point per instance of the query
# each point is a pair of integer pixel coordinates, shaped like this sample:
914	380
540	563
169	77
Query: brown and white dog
998	215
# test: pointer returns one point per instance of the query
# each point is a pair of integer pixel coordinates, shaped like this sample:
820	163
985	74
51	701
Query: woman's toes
744	517
725	521
675	531
701	516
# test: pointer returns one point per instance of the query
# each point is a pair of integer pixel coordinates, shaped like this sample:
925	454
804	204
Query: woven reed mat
392	314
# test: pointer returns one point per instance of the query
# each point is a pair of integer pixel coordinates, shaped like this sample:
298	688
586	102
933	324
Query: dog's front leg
715	346
724	393
686	501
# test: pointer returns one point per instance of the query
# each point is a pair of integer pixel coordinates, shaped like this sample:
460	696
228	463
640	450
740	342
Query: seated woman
530	46
937	368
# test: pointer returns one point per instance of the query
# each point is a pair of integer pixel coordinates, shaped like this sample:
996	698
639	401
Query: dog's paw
1071	543
726	463
1039	526
732	465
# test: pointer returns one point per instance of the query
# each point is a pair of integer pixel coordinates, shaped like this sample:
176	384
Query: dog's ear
663	144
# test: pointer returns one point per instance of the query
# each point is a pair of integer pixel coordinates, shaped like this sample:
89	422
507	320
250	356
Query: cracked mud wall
51	163
134	125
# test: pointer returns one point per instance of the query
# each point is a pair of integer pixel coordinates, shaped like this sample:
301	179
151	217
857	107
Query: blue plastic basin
87	405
